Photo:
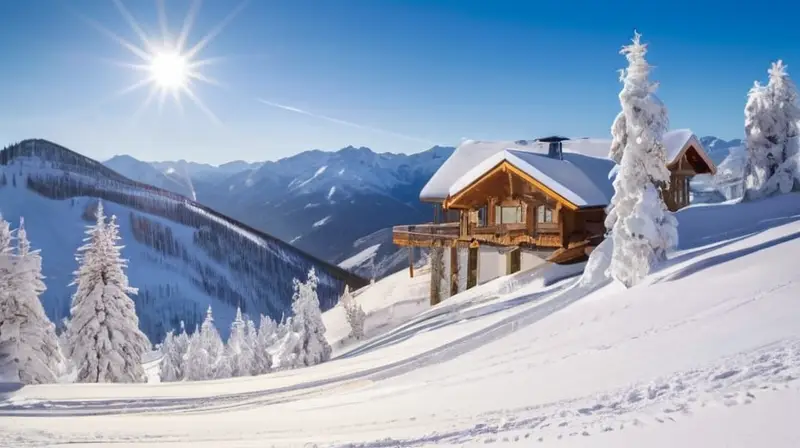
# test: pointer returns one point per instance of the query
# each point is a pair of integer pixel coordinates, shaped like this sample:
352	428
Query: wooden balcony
424	235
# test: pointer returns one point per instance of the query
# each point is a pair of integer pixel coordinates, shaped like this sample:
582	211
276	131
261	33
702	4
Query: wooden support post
437	272
561	223
454	270
411	261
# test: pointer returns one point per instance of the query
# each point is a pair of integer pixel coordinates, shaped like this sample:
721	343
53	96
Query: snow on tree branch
639	223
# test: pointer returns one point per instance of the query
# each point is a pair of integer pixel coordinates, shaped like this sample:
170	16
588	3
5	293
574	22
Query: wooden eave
506	167
712	168
433	200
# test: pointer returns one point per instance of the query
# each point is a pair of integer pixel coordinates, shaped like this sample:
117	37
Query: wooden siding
676	196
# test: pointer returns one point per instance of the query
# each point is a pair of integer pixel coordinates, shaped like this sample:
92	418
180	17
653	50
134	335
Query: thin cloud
345	123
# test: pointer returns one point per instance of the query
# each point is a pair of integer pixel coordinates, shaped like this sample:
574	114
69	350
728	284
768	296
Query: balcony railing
424	235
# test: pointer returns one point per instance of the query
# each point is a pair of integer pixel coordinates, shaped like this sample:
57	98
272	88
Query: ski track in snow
738	380
441	318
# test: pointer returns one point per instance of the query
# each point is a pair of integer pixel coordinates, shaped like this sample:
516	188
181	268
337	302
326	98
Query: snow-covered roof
570	178
677	141
471	152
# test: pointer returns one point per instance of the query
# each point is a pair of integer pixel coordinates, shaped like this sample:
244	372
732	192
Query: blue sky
403	75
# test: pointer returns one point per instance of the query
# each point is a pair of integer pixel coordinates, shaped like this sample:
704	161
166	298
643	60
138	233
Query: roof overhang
505	167
693	142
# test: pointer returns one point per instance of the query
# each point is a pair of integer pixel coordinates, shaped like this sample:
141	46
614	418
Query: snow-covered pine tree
354	313
105	342
785	98
196	367
266	337
239	351
287	346
312	347
211	343
29	350
182	347
757	122
9	331
771	130
170	359
640	225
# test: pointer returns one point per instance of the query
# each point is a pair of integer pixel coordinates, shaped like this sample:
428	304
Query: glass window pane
497	215
548	216
540	213
510	215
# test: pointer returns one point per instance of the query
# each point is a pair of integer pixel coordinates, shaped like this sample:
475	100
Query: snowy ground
705	354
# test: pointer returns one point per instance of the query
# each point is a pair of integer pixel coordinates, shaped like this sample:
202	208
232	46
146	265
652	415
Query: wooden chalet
686	158
532	201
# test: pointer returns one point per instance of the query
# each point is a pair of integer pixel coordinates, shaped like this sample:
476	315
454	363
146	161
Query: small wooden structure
689	162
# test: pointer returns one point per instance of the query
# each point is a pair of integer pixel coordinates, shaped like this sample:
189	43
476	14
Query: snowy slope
183	256
705	353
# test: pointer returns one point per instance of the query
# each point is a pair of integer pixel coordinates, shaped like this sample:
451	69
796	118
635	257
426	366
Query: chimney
554	150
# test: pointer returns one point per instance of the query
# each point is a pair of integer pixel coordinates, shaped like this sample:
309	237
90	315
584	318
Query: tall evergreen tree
196	366
312	347
266	337
353	313
29	349
771	130
174	350
641	227
170	359
212	350
182	346
105	342
239	351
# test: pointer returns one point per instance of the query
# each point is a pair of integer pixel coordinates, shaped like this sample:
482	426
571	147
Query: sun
170	66
170	70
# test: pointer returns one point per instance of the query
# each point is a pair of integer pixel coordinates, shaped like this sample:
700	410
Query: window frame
542	214
499	210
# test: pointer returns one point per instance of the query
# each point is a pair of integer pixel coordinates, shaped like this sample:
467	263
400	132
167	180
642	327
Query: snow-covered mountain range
183	256
337	205
319	201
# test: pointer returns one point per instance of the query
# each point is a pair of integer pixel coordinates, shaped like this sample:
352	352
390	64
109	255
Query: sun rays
168	65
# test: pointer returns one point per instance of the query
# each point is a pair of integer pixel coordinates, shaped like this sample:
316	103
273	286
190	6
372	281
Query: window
508	215
544	214
482	216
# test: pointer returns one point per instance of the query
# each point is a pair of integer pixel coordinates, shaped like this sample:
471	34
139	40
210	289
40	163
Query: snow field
708	339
